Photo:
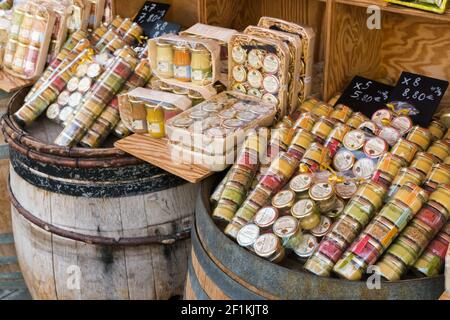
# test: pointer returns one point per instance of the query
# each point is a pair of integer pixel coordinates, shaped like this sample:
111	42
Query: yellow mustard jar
441	196
420	136
341	113
439	174
155	121
322	110
423	162
405	150
437	129
412	196
440	149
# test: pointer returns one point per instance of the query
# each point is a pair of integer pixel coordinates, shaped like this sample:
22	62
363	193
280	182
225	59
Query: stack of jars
408	247
183	62
109	84
49	91
431	262
240	178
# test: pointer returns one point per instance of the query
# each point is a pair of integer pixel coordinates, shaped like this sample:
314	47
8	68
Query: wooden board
405	42
9	83
445	296
157	153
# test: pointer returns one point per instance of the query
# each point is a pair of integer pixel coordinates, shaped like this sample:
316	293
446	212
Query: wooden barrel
95	223
220	269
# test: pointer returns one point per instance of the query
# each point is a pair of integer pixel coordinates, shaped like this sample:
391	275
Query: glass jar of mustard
324	196
404	150
265	218
307	213
441	195
356	119
437	129
300	184
283	201
372	192
323	227
322	129
412	196
247	236
301	141
440	149
164	60
403	124
439	174
420	136
423	162
405	175
341	113
360	210
182	63
319	265
289	231
268	246
386	169
306	247
350	267
321	110
305	121
354	140
308	104
315	156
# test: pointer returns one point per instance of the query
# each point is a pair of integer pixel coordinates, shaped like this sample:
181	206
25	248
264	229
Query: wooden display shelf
408	40
156	152
445	296
391	7
9	84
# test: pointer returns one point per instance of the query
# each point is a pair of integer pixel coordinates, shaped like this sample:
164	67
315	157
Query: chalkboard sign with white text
161	27
423	93
151	13
365	95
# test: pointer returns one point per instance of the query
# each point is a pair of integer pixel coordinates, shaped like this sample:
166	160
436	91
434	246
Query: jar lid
75	99
390	135
212	107
265	217
218	132
271	84
323	227
381	116
82	70
238	54
53	111
403	124
239	73
346	189
307	246
301	182
72	85
63	98
271	63
343	160
246	116
303	208
375	147
364	168
255	78
283	199
65	113
85	84
354	140
94	70
247	235
266	245
270	98
182	122
198	114
233	123
321	191
285	226
255	58
227	114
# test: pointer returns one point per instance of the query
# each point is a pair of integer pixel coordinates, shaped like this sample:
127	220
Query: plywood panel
352	48
416	45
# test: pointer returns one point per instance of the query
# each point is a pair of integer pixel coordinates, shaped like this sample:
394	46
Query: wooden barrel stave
273	281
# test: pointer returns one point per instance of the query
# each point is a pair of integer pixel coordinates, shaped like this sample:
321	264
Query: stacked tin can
109	84
48	92
408	247
110	117
240	178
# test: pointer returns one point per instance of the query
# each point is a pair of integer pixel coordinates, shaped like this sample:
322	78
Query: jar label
266	244
346	190
301	182
303	207
265	216
183	72
364	168
37	37
375	147
321	191
285	226
239	73
354	140
238	54
247	235
255	78
322	228
307	246
343	160
390	135
283	198
255	58
271	84
402	124
271	63
269	98
164	66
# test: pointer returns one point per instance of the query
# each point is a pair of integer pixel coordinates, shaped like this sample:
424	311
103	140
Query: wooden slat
157	153
445	296
9	83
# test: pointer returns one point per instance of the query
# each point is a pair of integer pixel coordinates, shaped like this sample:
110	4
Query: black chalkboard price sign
150	13
365	95
423	93
161	27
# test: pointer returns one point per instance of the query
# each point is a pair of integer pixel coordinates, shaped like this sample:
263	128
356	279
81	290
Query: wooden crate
409	40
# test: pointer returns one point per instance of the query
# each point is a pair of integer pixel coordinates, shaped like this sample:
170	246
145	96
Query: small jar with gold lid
441	195
307	213
283	201
372	192
300	184
437	129
309	104
322	129
265	218
336	137
405	150
341	113
324	196
307	246
322	110
300	142
305	121
420	136
423	162
323	228
334	99
412	196
356	119
440	149
387	168
439	174
268	246
315	156
288	229
405	175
